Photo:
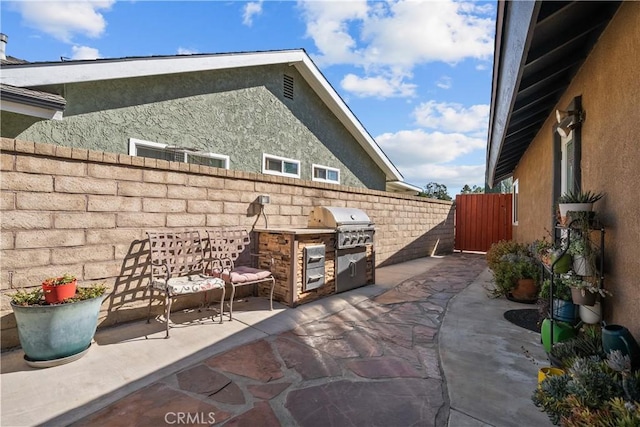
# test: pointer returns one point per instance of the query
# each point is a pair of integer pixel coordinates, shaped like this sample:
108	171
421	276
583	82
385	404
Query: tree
434	190
471	190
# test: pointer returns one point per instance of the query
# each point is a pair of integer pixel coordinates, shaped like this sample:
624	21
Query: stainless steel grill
353	226
354	230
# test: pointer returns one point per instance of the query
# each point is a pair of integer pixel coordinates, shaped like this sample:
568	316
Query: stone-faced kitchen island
304	263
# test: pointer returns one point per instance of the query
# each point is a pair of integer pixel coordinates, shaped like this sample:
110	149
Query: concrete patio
423	346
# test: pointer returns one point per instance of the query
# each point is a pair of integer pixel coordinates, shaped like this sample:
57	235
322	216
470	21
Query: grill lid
334	217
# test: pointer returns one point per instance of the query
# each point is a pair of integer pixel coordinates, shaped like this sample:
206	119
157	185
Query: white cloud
427	157
84	52
379	86
453	117
328	25
444	82
250	10
413	147
398	33
63	19
186	51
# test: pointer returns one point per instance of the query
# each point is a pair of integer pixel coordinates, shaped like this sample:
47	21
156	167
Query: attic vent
287	86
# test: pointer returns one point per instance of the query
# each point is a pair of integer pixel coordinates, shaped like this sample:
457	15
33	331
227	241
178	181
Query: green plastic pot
563	263
561	332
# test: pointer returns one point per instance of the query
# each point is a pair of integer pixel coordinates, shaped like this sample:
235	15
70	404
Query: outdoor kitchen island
325	258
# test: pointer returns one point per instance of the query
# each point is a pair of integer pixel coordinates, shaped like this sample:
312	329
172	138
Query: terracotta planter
58	293
583	298
526	289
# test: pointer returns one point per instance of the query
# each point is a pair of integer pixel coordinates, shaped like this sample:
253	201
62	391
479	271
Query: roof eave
512	44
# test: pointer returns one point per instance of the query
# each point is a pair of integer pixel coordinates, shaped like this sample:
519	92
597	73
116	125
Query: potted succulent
576	201
55	333
583	292
564	309
542	249
583	256
58	289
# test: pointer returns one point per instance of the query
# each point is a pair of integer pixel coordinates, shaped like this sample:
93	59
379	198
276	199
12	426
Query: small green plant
541	249
587	343
578	282
56	281
560	289
580	197
36	296
33	297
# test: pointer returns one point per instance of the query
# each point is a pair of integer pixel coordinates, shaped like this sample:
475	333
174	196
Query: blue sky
417	74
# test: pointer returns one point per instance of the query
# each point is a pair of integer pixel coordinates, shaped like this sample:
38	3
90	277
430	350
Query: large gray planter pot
56	332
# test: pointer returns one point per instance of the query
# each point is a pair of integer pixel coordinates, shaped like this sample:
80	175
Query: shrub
502	248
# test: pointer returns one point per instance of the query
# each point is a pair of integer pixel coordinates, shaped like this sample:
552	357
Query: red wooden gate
482	219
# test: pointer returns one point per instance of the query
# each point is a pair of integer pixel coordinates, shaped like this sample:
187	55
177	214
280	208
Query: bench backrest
180	252
227	244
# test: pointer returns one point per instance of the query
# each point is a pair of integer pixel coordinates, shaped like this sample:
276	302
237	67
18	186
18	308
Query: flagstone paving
374	364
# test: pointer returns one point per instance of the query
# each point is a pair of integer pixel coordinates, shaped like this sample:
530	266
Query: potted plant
564	309
583	292
541	249
583	256
515	276
576	201
55	333
58	289
499	259
525	272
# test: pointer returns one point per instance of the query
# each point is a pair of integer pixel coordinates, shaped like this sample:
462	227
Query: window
275	165
567	163
326	174
157	150
514	202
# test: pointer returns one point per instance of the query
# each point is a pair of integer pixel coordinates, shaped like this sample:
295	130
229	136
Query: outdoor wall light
567	121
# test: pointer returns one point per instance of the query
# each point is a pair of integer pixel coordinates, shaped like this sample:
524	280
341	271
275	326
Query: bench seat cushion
246	274
188	284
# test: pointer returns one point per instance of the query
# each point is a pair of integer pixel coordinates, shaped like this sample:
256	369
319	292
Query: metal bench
225	247
179	267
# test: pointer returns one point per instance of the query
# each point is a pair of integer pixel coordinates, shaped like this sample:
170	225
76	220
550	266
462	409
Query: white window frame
266	156
515	191
326	168
134	143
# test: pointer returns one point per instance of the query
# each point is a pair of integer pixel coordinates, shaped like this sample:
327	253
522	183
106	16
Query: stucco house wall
610	89
239	112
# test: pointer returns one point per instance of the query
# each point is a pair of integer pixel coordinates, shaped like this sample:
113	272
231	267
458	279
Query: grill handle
353	267
315	277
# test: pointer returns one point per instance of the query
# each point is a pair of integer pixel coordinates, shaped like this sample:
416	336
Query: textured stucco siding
241	113
610	89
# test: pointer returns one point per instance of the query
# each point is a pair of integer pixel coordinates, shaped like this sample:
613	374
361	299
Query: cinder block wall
68	210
